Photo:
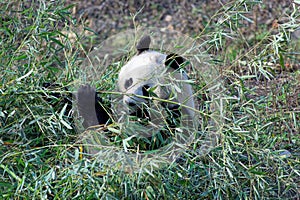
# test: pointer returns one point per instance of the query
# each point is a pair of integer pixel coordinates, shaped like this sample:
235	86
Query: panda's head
151	73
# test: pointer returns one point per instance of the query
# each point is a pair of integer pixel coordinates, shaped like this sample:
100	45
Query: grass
257	156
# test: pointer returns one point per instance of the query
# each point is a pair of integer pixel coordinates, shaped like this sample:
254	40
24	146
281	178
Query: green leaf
281	61
57	41
21	57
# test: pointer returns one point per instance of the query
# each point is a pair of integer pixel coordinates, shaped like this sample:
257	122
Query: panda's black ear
174	61
143	44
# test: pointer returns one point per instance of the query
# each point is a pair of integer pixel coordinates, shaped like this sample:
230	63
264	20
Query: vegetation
257	157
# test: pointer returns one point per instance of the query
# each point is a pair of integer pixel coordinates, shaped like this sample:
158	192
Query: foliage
256	158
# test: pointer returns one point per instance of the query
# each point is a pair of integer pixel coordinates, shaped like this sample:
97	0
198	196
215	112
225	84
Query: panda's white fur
148	68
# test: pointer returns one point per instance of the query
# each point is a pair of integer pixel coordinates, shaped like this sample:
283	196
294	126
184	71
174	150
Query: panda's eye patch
128	83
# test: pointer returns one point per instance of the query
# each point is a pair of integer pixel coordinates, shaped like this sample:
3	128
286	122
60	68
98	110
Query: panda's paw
86	94
86	97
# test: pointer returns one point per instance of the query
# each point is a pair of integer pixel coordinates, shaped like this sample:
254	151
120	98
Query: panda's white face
142	72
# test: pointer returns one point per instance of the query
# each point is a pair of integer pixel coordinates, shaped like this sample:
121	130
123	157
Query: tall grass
258	153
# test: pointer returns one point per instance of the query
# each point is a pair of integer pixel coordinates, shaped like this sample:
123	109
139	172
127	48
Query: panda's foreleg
90	107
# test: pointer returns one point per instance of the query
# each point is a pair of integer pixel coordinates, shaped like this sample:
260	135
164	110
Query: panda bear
155	90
